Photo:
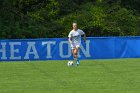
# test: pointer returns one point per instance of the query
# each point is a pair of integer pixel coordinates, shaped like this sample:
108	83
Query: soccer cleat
77	62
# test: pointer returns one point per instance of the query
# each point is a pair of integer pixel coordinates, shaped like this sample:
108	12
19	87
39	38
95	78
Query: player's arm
84	34
84	37
70	40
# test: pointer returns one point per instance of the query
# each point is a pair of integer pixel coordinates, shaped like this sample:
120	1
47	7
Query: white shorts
75	45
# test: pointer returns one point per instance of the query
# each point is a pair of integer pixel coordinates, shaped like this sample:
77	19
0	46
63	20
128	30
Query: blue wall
58	48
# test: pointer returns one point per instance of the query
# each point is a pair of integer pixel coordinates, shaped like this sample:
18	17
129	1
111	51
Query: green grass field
92	76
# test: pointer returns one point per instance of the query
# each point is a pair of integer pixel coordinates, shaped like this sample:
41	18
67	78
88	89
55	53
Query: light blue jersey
76	36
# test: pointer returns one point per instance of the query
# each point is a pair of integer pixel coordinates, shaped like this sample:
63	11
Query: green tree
39	18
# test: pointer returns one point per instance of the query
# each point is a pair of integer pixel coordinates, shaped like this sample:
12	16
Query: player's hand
85	41
70	43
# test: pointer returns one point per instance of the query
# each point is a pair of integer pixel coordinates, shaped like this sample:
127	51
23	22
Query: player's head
74	25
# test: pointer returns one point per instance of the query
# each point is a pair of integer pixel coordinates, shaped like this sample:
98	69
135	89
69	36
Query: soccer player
75	41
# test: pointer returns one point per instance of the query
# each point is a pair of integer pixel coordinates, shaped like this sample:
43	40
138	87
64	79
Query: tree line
54	18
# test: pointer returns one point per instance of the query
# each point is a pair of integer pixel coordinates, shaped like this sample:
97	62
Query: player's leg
76	54
73	53
75	49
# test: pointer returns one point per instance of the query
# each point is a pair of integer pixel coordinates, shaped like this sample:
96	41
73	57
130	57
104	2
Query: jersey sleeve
70	34
82	32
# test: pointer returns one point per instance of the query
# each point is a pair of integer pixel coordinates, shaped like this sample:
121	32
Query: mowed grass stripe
99	76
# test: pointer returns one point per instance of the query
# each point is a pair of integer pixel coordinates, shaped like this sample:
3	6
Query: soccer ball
70	63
